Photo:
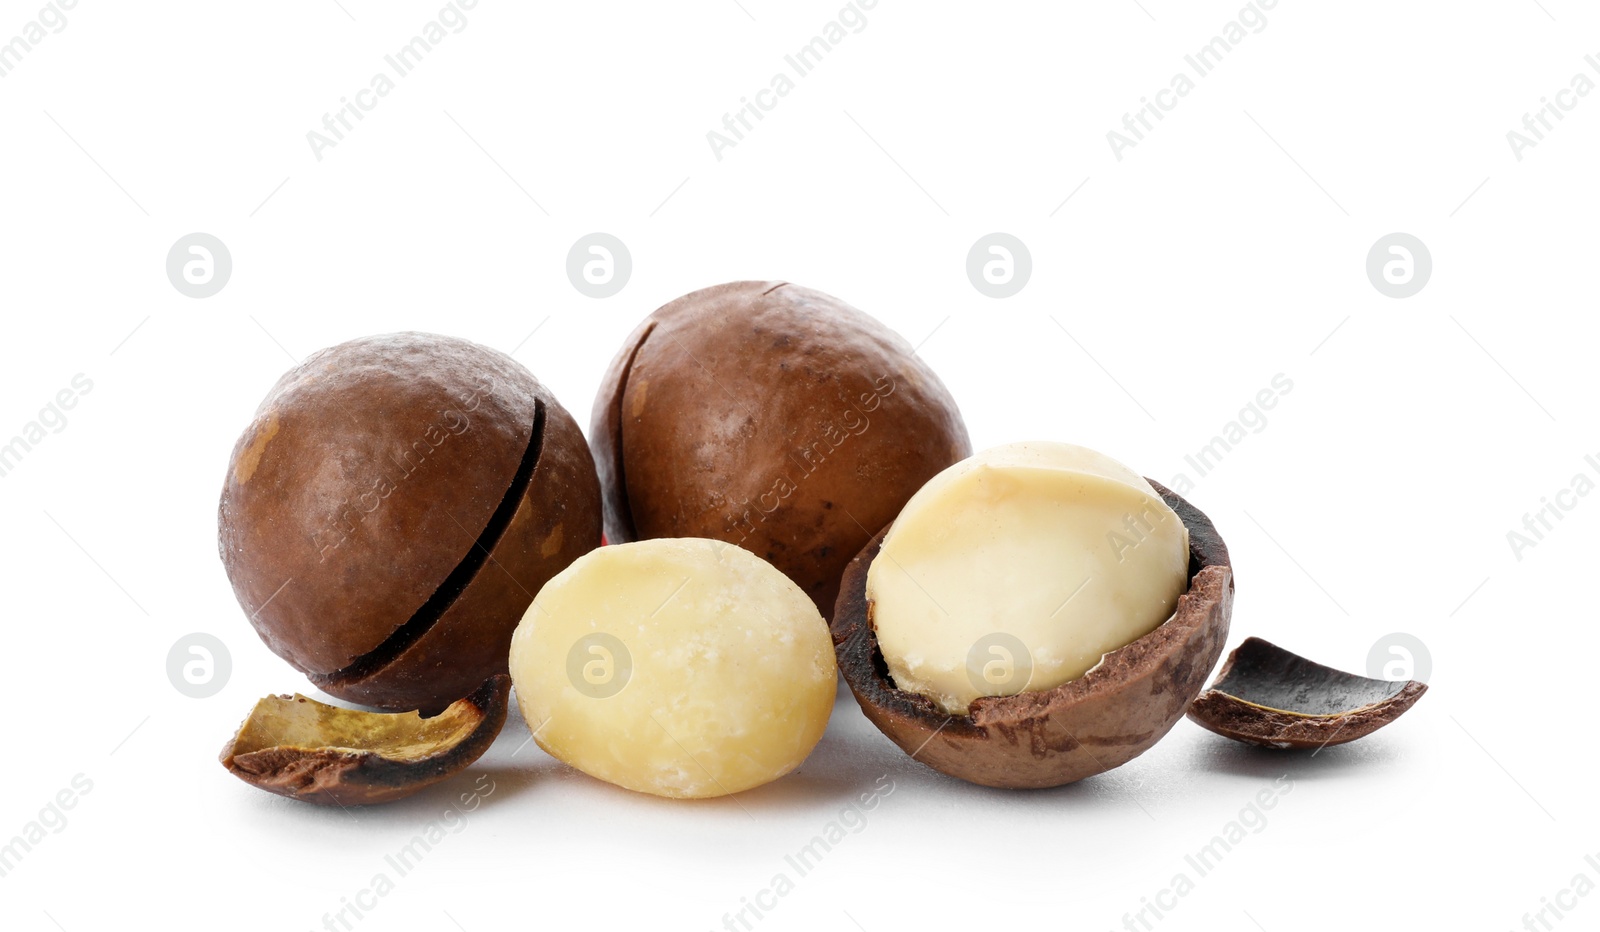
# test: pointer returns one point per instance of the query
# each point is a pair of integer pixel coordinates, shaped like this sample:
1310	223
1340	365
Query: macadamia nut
774	417
391	508
1017	569
679	667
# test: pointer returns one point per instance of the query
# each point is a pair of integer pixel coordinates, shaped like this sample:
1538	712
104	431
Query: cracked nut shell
770	416
1103	719
307	750
1273	698
392	509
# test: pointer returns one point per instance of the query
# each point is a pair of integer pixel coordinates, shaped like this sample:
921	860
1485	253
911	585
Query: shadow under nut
1086	726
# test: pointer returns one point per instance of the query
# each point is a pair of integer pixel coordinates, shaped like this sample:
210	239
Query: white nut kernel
678	667
1017	569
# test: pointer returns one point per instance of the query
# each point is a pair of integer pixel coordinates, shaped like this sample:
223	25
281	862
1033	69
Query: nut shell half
1101	720
1274	698
307	750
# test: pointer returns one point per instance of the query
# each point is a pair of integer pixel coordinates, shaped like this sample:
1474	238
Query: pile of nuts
788	493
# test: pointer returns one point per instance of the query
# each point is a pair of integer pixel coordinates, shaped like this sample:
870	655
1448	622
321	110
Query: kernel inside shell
1019	568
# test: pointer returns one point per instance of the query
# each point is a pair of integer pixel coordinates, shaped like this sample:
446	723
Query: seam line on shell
423	620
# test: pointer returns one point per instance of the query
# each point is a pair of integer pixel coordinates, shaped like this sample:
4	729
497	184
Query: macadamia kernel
1017	569
679	667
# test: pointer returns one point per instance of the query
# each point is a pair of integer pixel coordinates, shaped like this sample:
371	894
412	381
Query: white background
1226	248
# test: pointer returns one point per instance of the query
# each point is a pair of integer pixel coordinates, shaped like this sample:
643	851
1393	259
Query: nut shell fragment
1051	737
303	749
1273	698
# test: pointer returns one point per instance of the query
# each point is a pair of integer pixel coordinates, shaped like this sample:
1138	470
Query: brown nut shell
393	509
307	750
1274	698
770	416
1101	720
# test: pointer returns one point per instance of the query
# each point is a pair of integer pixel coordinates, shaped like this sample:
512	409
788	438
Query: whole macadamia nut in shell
774	417
394	507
